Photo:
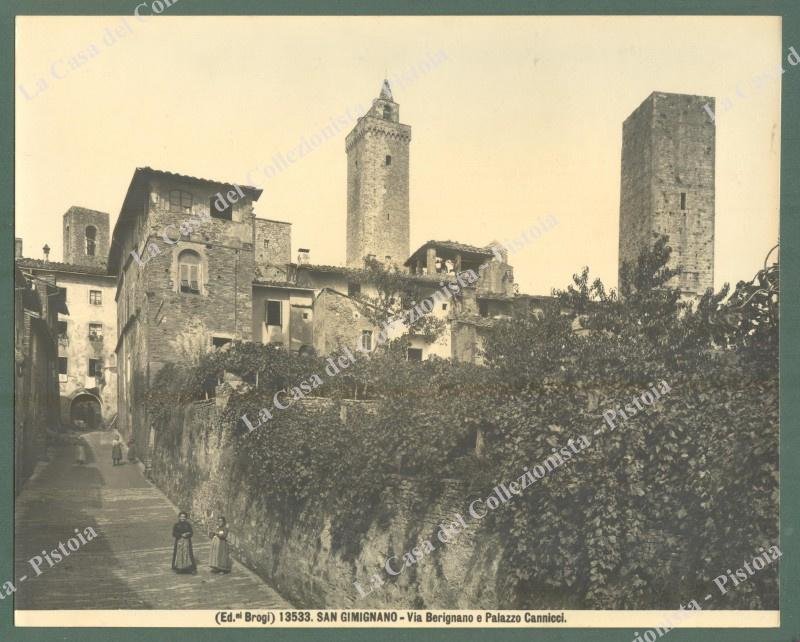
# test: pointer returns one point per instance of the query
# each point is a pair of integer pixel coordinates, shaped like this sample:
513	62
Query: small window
387	113
189	272
226	213
218	342
91	240
273	313
180	201
388	160
353	289
414	354
95	331
366	340
95	297
62	328
483	308
305	315
62	365
444	306
95	368
683	200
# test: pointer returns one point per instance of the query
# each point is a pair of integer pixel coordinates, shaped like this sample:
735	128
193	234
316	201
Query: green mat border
790	336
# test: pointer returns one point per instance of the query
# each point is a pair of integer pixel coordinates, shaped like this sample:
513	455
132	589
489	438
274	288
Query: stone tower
667	186
86	234
377	184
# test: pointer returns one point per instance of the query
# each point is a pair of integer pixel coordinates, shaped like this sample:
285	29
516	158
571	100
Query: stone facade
297	556
273	247
166	312
378	221
667	185
37	305
87	336
86	237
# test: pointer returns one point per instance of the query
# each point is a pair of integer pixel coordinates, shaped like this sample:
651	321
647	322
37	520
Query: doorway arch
85	411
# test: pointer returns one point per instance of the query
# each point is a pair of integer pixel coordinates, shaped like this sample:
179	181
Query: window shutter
184	275
193	278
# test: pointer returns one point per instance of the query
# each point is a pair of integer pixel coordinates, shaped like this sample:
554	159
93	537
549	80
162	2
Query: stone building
667	185
183	251
196	268
86	362
38	303
378	220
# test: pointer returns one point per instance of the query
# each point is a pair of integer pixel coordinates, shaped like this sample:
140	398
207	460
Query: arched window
91	239
189	271
387	112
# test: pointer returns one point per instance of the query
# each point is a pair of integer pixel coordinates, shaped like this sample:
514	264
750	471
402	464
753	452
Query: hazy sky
521	118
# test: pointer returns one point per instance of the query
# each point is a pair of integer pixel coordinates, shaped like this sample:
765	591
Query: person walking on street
116	451
182	554
220	549
80	452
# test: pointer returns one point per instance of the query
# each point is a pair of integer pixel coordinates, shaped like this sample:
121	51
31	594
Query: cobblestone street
127	566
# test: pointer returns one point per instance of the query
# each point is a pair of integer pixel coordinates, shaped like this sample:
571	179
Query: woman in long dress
182	554
220	549
116	451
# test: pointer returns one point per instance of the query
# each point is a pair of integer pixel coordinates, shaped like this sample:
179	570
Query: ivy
644	518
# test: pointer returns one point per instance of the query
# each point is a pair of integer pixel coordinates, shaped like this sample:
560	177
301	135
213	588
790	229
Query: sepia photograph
397	321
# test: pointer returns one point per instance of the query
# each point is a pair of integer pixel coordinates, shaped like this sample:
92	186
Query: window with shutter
180	201
273	313
189	272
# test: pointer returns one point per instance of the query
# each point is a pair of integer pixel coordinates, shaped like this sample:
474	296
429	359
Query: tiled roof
187	177
452	246
55	266
278	284
131	206
337	269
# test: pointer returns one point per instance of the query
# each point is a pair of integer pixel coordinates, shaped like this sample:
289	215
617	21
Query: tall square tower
667	185
377	184
86	234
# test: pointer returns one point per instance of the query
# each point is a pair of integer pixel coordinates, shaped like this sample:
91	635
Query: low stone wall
297	558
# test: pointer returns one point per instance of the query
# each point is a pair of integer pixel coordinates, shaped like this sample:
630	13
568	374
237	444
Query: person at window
220	561
182	554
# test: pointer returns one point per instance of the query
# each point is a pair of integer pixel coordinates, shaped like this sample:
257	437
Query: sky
513	119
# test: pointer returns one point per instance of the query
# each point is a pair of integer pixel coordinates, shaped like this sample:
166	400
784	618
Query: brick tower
377	184
86	234
667	186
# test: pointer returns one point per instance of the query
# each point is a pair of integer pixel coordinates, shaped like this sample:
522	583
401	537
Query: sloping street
127	566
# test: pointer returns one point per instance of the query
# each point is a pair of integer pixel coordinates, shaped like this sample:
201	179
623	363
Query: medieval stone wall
197	472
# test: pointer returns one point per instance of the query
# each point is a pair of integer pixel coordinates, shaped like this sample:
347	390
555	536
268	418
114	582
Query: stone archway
85	412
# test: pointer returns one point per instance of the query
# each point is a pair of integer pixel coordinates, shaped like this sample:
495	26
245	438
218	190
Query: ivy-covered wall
297	553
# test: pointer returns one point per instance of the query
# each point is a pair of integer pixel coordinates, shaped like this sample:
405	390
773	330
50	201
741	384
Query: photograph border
789	630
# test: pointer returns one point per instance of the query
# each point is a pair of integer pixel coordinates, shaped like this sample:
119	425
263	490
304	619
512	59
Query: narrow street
127	566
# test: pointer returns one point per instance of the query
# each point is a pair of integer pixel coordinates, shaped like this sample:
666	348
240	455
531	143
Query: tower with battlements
377	184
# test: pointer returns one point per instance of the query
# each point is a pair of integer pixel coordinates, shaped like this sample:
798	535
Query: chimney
46	250
303	256
17	248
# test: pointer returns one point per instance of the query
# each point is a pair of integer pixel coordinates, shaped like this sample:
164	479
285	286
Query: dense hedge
645	517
